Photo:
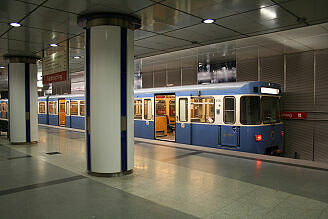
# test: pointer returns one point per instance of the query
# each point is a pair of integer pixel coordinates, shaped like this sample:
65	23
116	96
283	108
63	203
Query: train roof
210	89
61	96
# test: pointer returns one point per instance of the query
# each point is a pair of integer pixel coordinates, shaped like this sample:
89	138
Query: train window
250	108
183	110
172	108
270	110
74	108
137	109
42	107
82	108
52	107
229	112
147	109
67	108
202	109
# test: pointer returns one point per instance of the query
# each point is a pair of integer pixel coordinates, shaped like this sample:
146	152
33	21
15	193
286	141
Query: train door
62	112
165	117
229	132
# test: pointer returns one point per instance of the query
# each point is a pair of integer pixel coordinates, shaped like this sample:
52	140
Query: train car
241	116
62	110
4	109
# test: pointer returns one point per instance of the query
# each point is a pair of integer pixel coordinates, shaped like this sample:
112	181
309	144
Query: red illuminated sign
293	115
55	77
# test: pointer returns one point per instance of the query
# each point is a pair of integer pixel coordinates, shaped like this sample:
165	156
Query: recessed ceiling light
53	45
268	13
76	57
2	66
15	24
208	21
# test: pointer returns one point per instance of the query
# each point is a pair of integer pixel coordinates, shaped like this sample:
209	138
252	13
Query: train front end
261	128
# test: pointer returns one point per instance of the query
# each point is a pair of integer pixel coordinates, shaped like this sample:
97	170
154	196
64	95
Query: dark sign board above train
293	115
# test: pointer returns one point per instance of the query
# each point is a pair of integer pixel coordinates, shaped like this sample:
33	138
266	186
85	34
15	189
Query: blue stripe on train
53	120
142	130
77	122
43	119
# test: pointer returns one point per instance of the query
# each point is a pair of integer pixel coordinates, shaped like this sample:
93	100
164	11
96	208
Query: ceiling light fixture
76	57
15	24
2	66
208	21
53	45
268	13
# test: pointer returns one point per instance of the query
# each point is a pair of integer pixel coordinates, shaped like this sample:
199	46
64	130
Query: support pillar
109	93
22	100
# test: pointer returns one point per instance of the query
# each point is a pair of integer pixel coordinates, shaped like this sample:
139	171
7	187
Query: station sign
55	77
54	67
293	115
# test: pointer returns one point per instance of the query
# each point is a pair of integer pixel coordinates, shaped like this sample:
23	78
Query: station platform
49	180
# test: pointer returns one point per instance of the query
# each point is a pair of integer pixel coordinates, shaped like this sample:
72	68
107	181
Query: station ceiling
167	25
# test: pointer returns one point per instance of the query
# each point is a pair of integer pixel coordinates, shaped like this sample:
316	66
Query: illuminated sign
268	90
56	77
293	115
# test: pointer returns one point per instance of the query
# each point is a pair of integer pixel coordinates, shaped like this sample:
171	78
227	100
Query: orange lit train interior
165	117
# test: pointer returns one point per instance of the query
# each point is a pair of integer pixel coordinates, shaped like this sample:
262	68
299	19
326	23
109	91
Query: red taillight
258	137
282	133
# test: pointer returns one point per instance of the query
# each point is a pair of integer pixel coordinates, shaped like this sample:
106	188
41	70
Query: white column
23	121
109	96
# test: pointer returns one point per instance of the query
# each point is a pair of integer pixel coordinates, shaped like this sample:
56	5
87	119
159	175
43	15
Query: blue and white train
241	116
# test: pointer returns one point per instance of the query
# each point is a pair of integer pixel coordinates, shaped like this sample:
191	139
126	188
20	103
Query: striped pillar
22	100
109	93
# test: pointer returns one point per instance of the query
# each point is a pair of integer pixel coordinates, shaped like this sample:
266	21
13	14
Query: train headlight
258	137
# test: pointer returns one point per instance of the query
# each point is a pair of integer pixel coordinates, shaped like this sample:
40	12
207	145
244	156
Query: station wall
304	79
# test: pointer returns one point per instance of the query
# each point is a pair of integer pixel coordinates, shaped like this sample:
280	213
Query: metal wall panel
299	139
189	75
174	77
299	94
320	141
247	70
272	69
321	84
160	78
147	79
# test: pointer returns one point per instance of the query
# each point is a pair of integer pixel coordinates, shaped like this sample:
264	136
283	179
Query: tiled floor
167	183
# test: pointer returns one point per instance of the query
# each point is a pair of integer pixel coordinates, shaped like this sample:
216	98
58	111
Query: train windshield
270	110
250	108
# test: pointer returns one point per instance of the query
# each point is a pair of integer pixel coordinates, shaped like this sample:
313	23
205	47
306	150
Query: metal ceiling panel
161	19
138	51
161	42
87	6
216	8
316	42
203	8
140	34
255	21
54	20
14	11
202	33
313	11
305	32
33	35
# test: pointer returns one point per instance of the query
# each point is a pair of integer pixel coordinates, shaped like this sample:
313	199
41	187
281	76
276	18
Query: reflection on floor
170	136
167	183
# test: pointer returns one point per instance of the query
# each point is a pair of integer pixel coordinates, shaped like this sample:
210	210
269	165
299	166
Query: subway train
240	116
